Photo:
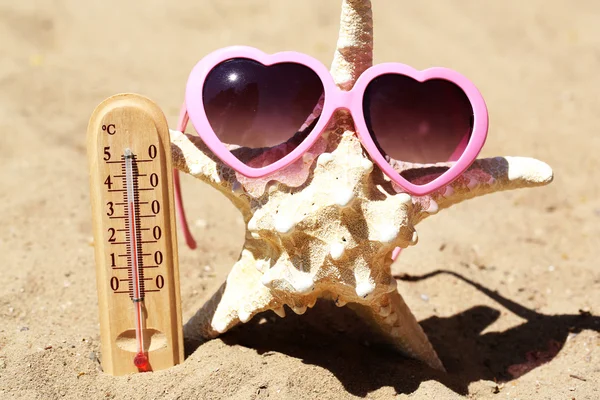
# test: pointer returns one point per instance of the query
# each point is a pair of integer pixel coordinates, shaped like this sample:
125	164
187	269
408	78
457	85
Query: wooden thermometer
137	271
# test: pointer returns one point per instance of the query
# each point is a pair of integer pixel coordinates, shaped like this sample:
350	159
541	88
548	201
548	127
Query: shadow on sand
336	339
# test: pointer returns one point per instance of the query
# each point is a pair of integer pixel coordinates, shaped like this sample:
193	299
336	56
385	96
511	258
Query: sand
525	327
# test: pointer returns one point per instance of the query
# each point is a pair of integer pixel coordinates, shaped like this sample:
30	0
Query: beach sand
526	326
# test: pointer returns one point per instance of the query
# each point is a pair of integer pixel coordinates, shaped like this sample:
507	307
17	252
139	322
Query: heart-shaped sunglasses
244	97
280	104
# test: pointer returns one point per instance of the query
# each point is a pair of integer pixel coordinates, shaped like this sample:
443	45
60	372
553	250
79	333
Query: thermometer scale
135	241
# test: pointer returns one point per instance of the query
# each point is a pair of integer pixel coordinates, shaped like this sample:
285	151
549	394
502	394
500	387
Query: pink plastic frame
335	99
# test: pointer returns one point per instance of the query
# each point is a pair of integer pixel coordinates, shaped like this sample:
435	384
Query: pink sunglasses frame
334	99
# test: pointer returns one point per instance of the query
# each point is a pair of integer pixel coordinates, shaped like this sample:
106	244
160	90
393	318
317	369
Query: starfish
330	225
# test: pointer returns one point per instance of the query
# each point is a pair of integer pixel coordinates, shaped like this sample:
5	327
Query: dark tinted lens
252	105
416	122
422	175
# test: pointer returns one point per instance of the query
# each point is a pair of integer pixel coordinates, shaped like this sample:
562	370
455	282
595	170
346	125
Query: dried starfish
328	225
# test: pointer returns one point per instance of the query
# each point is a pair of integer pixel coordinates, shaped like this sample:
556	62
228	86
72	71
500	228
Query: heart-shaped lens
271	107
418	122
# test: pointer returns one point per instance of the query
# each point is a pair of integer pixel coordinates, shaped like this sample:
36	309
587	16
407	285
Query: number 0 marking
114	283
154	180
158	258
152	151
155	207
160	281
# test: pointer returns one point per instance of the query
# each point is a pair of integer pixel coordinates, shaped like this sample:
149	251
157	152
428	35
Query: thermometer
135	241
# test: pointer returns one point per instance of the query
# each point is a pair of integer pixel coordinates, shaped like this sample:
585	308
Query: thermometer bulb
141	362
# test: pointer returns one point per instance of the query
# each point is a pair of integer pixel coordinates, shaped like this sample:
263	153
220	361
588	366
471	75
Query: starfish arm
392	317
190	155
239	299
354	50
484	176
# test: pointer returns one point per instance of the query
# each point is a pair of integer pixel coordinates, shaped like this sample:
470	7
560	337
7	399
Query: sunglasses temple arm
189	239
396	252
